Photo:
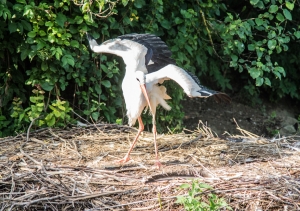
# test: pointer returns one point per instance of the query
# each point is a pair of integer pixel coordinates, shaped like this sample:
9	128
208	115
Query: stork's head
140	77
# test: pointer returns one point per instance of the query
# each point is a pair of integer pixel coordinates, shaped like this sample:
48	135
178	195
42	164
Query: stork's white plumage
148	63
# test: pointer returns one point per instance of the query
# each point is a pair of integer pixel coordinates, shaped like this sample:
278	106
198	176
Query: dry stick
62	139
28	130
27	139
182	144
12	181
209	35
30	158
10	139
81	117
252	135
38	200
204	167
153	206
94	195
277	198
22	198
148	208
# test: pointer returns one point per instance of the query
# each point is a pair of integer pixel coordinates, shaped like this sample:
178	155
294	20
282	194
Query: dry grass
74	169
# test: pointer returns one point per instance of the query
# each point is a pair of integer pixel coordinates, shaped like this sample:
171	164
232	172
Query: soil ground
262	120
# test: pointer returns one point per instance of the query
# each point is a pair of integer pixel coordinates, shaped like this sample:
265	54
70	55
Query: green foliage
47	66
248	47
194	201
57	116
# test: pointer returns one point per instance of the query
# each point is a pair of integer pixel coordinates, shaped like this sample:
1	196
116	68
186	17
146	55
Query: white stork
148	63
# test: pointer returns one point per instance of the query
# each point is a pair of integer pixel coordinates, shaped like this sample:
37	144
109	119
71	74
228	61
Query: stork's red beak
143	88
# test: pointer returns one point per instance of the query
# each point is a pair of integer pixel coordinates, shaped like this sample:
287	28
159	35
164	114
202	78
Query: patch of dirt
262	120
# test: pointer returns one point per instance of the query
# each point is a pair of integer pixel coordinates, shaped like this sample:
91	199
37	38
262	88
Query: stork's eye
138	79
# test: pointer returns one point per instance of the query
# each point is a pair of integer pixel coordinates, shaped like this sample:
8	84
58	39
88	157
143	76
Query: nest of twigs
75	169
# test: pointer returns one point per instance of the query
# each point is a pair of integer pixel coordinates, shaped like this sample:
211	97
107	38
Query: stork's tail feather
218	96
205	92
222	97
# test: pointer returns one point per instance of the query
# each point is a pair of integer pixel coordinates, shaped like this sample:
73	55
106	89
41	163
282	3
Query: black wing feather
158	52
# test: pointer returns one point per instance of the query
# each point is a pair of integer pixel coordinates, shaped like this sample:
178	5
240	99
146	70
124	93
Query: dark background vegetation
249	49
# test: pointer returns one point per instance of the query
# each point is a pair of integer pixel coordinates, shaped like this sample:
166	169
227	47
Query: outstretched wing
188	81
158	54
218	96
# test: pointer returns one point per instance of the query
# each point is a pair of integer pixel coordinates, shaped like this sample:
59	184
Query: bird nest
75	169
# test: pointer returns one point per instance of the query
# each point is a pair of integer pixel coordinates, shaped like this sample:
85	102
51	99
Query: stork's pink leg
152	109
141	128
157	162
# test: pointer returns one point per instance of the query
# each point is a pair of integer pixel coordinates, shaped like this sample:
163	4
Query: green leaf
280	70
56	113
50	119
259	81
49	23
289	5
139	3
254	2
254	72
189	49
31	34
125	2
26	25
12	27
98	89
251	47
33	99
267	82
259	21
74	43
42	33
297	34
287	14
95	115
51	38
106	83
273	8
78	19
24	53
68	59
260	5
234	58
277	74
47	86
28	11
61	19
44	66
166	24
279	17
184	186
272	44
178	20
22	1
204	185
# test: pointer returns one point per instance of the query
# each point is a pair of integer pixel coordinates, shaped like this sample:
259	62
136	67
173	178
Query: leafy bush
47	69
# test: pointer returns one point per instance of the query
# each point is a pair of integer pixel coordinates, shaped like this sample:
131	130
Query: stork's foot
124	160
158	164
